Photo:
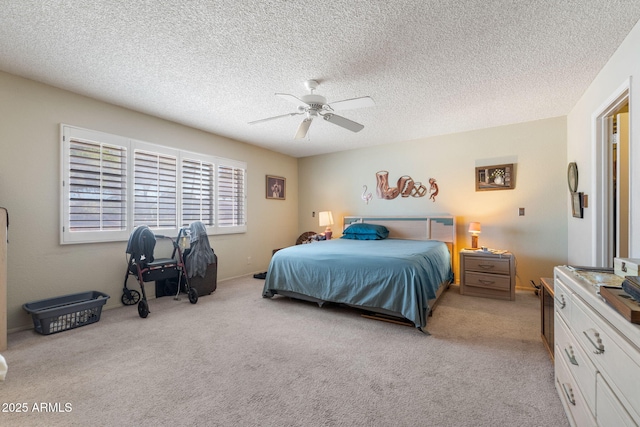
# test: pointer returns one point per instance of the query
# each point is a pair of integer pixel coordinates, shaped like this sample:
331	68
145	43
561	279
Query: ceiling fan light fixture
312	105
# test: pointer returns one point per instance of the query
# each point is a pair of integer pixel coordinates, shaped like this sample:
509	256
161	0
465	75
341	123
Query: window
155	193
111	184
230	196
197	192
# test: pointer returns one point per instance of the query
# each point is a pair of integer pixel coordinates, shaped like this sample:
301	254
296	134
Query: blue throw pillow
361	237
364	231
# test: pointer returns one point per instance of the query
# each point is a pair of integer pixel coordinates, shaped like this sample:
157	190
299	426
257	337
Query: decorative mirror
572	177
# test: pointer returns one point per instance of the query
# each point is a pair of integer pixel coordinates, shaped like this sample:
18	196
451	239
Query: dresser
487	274
597	355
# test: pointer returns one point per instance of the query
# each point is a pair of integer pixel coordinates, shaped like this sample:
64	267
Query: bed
399	275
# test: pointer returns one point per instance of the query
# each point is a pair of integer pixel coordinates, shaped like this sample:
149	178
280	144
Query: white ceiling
432	67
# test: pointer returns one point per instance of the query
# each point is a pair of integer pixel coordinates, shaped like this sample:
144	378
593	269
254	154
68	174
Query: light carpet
237	359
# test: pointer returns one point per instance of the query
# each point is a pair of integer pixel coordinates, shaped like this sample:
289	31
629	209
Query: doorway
612	229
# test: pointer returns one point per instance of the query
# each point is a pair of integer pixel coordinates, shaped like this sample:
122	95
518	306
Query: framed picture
576	204
497	177
276	187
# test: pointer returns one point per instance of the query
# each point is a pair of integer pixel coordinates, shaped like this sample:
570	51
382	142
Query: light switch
520	211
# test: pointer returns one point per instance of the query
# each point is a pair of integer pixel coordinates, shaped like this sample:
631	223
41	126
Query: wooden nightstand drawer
489	265
488	281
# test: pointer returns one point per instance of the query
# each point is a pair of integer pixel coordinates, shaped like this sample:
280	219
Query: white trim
67	132
600	158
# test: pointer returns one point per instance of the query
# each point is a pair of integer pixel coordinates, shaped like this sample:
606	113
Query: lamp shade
475	228
326	218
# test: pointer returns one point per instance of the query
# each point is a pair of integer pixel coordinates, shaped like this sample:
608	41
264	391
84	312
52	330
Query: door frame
601	184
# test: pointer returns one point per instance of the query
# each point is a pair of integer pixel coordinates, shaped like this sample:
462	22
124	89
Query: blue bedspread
393	274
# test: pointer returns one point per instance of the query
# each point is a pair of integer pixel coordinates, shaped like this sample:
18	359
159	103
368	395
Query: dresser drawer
578	363
569	392
615	358
489	265
562	300
609	411
488	281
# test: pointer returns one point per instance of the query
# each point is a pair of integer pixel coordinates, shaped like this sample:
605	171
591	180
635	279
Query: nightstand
488	274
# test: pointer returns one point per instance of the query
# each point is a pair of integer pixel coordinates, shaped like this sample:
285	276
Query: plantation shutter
231	196
155	190
111	184
197	192
97	186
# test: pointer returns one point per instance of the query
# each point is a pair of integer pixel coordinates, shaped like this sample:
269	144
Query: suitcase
207	284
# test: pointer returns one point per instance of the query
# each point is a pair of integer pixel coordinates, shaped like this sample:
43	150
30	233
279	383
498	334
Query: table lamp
474	229
326	220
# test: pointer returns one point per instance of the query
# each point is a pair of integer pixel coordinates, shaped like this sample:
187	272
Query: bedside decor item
276	187
474	229
326	220
497	177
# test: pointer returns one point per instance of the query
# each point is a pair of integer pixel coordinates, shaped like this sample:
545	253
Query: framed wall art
276	187
576	204
497	177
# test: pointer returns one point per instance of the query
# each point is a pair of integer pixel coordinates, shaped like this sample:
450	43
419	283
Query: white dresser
597	356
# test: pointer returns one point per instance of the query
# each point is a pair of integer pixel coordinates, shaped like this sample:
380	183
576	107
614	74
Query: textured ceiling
432	67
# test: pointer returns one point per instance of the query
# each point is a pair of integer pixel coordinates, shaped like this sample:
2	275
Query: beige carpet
236	359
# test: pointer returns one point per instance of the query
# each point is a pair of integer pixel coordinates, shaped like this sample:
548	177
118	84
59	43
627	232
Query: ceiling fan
313	106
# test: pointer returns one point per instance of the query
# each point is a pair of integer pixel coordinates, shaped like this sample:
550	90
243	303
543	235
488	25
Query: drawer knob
599	347
486	266
571	356
569	393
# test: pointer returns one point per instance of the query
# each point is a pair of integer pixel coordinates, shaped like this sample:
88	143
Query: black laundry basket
66	312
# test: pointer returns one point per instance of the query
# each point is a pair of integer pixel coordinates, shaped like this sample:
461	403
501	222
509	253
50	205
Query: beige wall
538	239
623	69
38	267
29	175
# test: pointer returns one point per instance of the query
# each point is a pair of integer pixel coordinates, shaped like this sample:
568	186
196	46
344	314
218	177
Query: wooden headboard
442	227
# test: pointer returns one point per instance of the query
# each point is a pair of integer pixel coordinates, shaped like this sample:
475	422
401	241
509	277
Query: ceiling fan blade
353	103
303	128
273	118
286	96
342	122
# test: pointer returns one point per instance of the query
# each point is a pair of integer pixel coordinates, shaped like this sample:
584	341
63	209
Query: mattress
395	275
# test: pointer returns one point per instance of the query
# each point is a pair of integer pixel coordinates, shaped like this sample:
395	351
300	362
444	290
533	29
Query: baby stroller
146	268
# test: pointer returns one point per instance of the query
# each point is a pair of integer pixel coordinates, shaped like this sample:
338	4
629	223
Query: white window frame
67	133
